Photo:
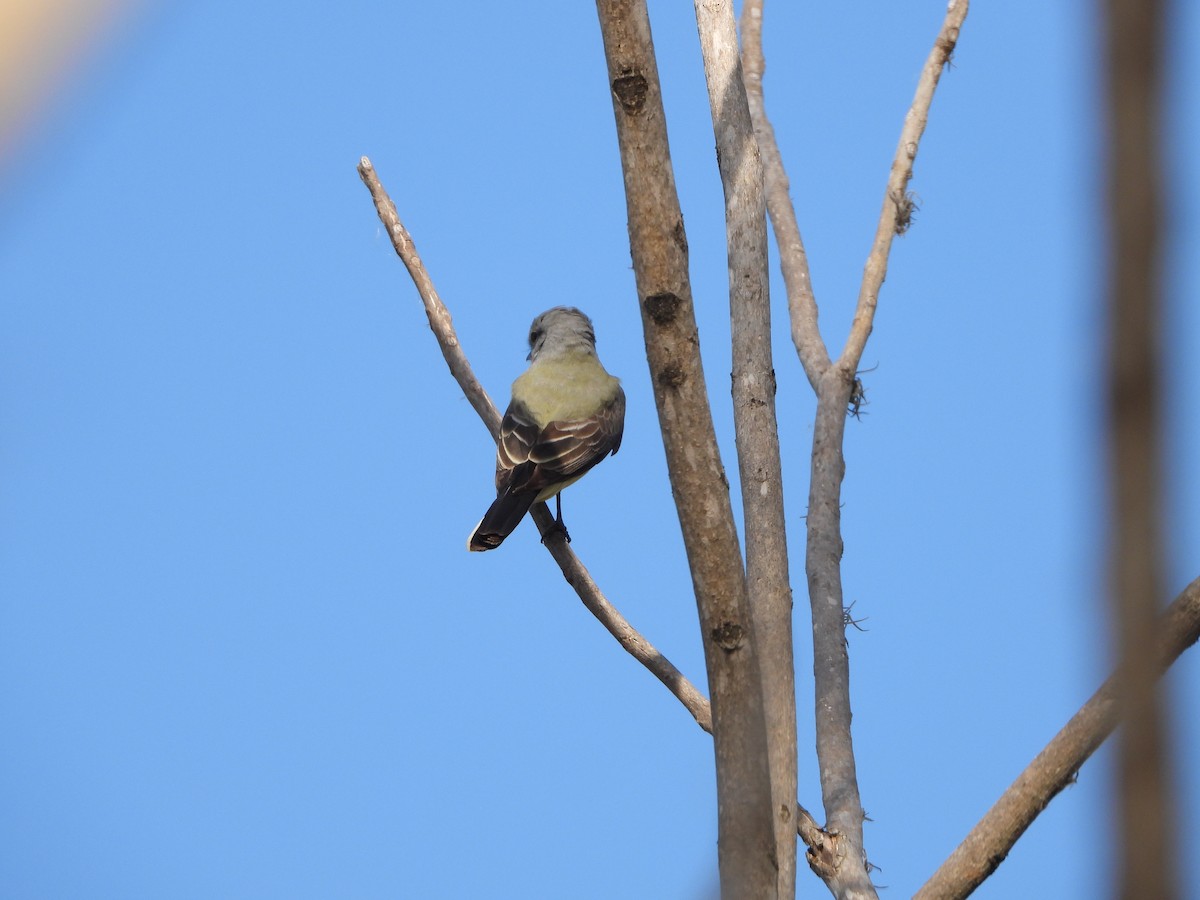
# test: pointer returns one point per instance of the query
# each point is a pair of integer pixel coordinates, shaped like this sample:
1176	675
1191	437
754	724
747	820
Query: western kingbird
566	415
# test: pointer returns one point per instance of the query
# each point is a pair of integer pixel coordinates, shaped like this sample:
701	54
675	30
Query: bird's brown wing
518	435
568	449
530	459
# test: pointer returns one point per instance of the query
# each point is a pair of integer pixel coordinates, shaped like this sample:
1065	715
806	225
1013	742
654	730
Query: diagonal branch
573	570
1056	766
897	205
793	261
435	310
627	636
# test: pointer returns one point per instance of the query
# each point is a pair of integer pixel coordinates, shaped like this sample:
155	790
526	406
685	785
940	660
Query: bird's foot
557	527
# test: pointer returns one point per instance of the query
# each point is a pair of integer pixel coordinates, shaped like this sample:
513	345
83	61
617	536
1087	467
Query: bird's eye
535	336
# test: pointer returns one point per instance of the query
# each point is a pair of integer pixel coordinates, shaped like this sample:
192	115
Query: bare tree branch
659	249
757	433
793	261
627	636
837	855
1147	866
573	570
435	310
831	665
897	206
1057	766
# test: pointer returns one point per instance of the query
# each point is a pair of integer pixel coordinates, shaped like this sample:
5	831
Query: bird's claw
557	527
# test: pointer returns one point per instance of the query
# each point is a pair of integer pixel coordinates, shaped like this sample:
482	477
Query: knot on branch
662	308
630	89
671	377
906	205
946	43
728	636
680	235
823	855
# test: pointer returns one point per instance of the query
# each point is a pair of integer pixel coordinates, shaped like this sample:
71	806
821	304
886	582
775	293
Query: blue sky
243	650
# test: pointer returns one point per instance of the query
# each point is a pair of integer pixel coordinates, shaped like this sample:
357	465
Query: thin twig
897	205
1056	766
627	636
439	316
573	570
793	261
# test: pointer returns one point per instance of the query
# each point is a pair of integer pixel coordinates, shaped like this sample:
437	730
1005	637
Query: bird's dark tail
499	521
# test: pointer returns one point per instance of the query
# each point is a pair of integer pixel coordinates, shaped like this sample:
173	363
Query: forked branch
835	387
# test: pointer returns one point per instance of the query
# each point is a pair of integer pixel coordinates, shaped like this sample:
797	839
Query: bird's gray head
559	330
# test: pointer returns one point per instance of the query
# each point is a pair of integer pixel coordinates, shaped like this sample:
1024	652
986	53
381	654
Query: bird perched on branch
567	413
